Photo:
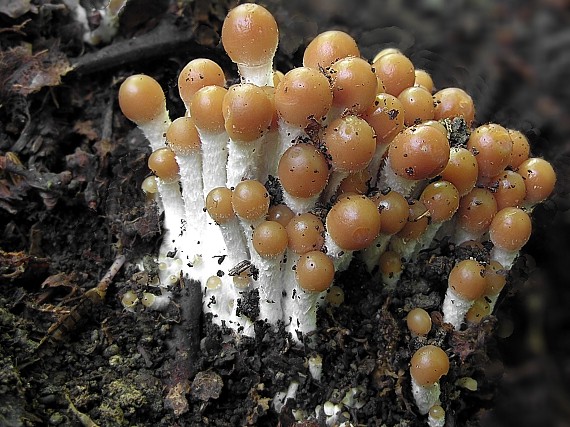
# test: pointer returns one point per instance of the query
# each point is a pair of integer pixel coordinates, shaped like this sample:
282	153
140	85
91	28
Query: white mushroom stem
341	257
281	397
174	220
335	179
243	161
455	307
436	421
190	166
425	396
425	240
304	314
259	75
300	205
214	159
269	286
389	179
235	241
504	257
155	130
290	291
287	133
403	246
376	163
371	254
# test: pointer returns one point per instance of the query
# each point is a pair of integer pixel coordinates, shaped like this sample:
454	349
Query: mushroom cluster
272	185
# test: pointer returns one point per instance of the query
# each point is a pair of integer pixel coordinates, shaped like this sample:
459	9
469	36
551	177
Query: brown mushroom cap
206	108
250	35
195	75
467	279
386	116
141	99
250	200
247	112
396	72
419	152
329	47
303	170
441	199
492	147
270	239
428	365
353	222
219	204
418	321
462	170
510	229
306	233
182	136
314	271
162	163
354	84
454	102
539	178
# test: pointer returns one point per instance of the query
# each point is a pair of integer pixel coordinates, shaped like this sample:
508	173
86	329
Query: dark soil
70	203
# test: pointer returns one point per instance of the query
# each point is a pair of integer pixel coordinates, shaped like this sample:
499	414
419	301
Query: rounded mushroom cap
303	170
467	279
247	112
162	163
478	311
354	84
394	211
195	75
329	47
462	170
141	99
428	365
182	136
454	102
250	200
385	51
476	210
350	142
270	239
510	229
441	199
355	182
418	105
423	79
419	152
496	278
219	204
206	108
353	222
306	233
396	72
418	321
521	148
250	35
437	412
417	222
386	116
303	95
492	147
314	271
390	263
539	179
508	188
280	213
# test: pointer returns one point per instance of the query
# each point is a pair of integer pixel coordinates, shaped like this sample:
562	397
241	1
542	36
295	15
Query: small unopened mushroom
396	72
329	47
391	268
303	172
419	322
539	179
496	278
427	366
436	416
423	79
394	212
195	75
462	170
314	272
454	102
269	242
247	114
415	154
418	105
163	164
142	101
352	224
476	211
250	37
492	147
465	284
521	148
206	111
350	144
386	116
509	231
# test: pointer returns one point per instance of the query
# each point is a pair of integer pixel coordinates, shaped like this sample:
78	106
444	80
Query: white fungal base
335	179
376	164
455	308
425	396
